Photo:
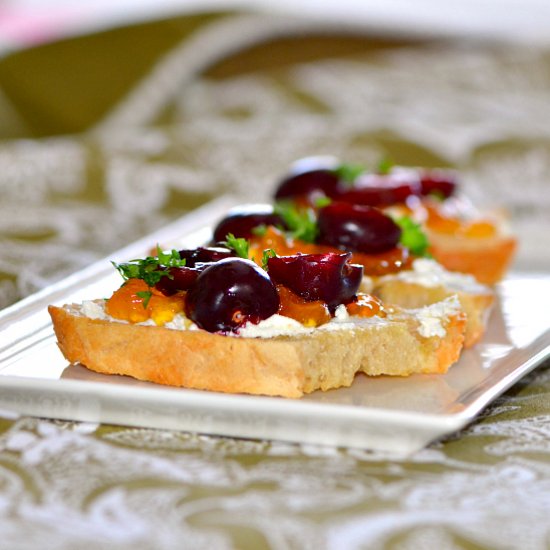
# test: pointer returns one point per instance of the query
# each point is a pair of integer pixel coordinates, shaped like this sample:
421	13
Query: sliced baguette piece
428	283
428	340
485	252
487	259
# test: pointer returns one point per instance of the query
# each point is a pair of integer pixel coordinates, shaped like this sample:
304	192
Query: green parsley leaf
412	236
385	165
238	244
169	259
321	202
301	222
437	195
348	173
268	253
259	230
150	269
146	296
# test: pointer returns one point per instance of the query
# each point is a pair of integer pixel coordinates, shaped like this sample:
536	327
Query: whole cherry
230	293
357	228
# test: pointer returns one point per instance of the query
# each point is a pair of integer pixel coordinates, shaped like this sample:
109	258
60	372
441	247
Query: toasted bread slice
428	283
487	259
428	340
465	239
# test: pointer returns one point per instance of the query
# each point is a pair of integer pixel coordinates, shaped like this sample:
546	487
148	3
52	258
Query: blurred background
27	22
117	117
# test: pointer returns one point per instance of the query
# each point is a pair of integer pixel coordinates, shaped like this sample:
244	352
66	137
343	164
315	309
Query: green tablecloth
107	137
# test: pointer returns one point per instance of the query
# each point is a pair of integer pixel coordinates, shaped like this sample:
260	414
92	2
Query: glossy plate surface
384	413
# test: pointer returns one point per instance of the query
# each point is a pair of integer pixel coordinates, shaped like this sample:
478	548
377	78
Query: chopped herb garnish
321	202
238	244
268	253
412	236
170	259
146	296
301	222
385	165
150	269
259	230
437	195
348	173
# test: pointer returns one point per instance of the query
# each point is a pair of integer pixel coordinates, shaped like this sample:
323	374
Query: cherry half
357	228
196	260
383	189
438	182
241	221
230	293
326	277
203	254
313	177
178	278
308	177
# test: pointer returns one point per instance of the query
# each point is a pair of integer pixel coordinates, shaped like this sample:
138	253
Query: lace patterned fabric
183	136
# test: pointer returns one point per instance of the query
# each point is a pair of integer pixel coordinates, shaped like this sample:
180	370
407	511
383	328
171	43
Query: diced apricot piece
366	306
135	302
310	314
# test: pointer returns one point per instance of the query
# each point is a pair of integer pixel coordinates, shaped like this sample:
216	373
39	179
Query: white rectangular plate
393	414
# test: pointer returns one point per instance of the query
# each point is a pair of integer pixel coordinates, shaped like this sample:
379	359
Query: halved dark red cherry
326	277
357	228
202	255
383	189
241	221
309	177
438	182
196	260
179	278
230	293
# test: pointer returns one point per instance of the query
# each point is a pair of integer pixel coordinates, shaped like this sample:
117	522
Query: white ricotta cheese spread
276	325
94	309
429	273
432	317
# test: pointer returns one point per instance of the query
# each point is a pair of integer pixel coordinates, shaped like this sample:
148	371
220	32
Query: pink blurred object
23	27
25	23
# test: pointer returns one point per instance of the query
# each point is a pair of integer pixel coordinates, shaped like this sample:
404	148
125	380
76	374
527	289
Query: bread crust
287	366
476	305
